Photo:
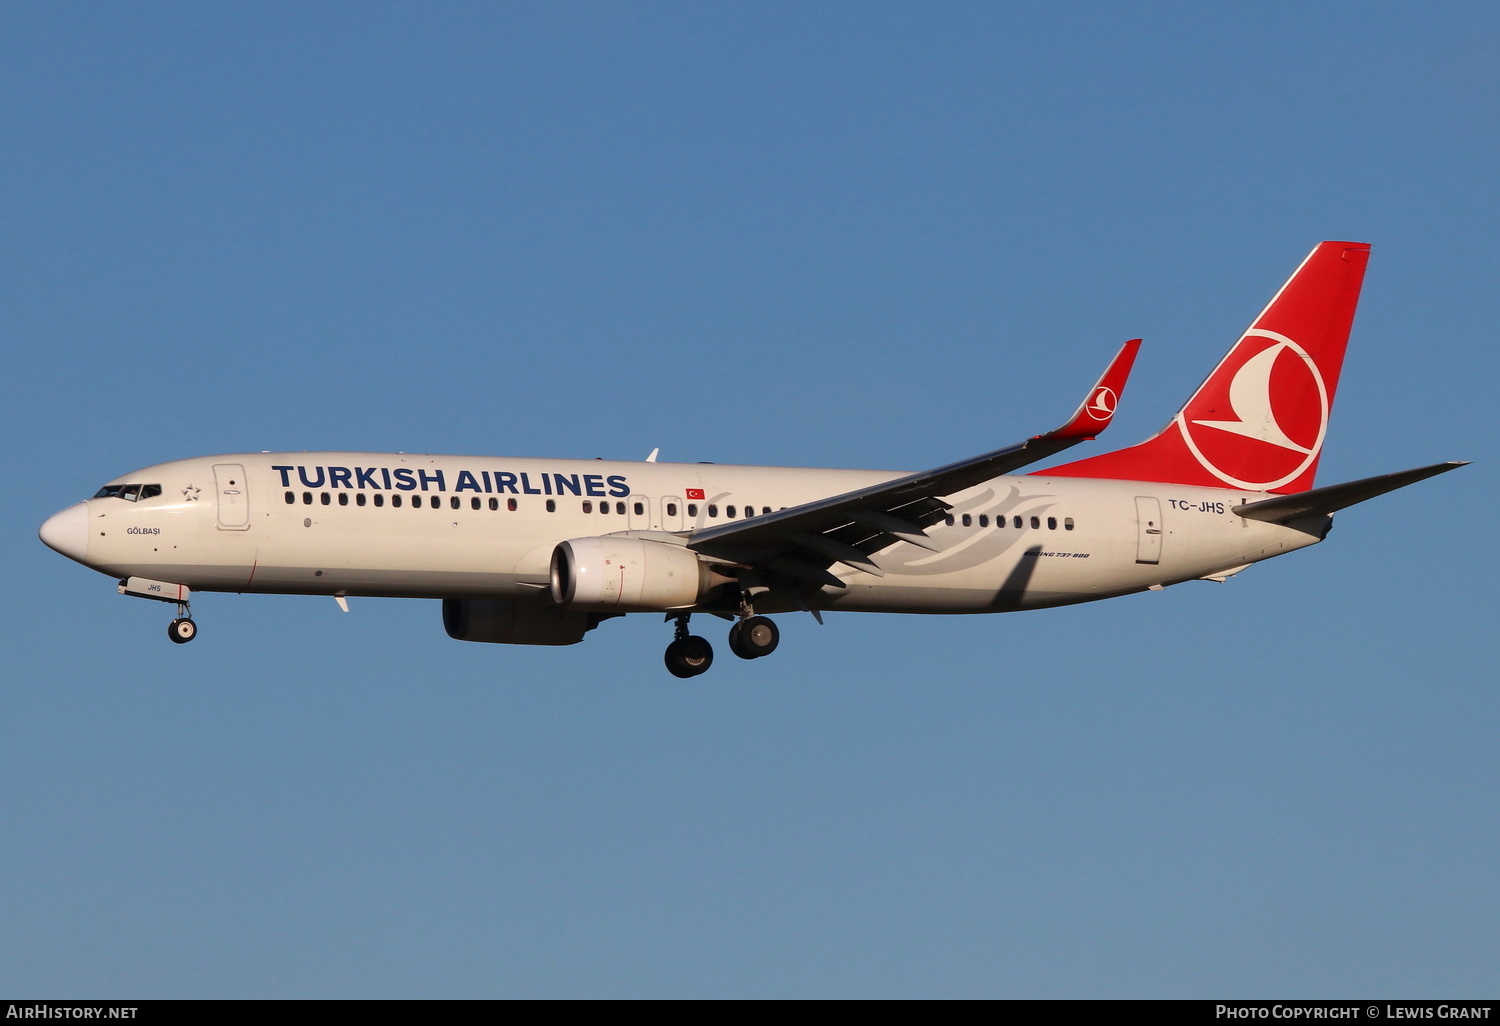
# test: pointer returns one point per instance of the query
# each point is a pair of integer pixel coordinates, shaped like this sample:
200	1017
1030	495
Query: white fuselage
308	523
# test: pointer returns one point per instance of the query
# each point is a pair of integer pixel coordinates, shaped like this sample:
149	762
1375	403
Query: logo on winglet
1101	405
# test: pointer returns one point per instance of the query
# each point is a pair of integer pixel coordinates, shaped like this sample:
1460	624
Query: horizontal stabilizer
1285	508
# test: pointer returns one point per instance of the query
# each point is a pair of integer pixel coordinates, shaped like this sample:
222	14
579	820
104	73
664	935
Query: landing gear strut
183	629
688	655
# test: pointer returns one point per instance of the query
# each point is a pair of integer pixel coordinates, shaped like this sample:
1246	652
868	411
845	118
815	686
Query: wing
803	541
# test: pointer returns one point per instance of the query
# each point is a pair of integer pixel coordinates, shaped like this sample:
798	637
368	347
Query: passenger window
307	498
343	498
948	519
291	497
380	498
620	508
359	499
1051	523
640	509
588	507
1036	522
604	508
729	512
453	501
968	520
713	510
326	499
765	509
551	505
474	502
671	509
1067	523
1016	523
494	503
749	512
510	504
396	500
984	520
693	510
150	491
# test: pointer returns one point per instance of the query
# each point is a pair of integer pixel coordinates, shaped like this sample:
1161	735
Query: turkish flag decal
695	493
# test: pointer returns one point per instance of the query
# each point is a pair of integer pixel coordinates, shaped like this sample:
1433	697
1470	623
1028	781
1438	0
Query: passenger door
232	496
1148	529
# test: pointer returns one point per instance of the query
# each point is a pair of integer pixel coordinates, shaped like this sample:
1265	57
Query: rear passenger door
1148	529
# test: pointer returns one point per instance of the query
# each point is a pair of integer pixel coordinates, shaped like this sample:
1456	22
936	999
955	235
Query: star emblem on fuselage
191	493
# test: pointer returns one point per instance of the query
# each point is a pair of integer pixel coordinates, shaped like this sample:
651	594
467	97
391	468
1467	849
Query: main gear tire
689	656
754	637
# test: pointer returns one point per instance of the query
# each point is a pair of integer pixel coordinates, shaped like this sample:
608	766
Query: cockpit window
128	492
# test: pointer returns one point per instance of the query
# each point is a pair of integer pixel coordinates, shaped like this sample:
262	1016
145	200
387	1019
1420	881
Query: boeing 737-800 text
539	552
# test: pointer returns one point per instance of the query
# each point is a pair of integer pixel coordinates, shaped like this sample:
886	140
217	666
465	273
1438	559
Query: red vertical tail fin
1259	420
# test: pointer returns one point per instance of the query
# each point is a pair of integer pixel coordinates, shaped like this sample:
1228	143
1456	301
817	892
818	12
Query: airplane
541	551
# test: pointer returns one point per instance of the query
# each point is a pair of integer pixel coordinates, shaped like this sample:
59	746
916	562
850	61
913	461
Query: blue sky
875	234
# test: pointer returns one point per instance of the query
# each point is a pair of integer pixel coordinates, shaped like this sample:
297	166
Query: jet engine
500	621
620	574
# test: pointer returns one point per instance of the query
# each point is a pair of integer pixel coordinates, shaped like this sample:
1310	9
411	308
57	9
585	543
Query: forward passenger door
231	497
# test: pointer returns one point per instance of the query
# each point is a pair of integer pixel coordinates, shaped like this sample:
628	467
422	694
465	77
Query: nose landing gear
183	629
688	655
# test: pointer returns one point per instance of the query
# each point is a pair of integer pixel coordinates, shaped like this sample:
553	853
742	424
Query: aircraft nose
68	531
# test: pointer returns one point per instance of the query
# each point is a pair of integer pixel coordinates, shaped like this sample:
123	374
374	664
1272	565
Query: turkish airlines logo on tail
1259	421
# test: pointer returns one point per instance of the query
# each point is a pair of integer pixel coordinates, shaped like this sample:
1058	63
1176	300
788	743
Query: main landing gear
750	638
753	637
183	629
688	655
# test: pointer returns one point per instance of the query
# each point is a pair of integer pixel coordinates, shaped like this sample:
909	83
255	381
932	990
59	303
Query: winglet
1095	412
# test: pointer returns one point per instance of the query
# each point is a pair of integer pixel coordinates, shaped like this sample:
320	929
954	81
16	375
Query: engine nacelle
502	622
619	574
